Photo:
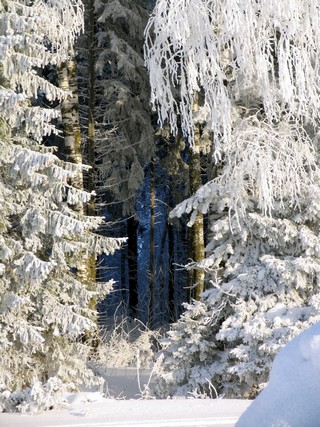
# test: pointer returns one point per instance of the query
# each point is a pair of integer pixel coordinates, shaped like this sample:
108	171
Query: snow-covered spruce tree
123	91
257	65
264	272
120	110
43	306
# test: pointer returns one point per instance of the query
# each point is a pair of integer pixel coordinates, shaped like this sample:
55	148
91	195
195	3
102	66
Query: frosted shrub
9	401
37	398
126	343
42	397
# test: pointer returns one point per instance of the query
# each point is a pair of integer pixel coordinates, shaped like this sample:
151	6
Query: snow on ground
292	396
291	399
91	409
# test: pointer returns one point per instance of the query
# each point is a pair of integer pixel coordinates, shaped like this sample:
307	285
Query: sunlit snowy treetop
26	22
233	49
34	35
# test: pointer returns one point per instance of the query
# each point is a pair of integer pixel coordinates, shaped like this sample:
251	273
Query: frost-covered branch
231	49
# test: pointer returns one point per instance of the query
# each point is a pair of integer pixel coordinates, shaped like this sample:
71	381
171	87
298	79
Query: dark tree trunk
152	243
171	284
132	227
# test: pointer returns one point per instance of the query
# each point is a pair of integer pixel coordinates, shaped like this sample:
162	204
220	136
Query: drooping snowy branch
265	168
231	50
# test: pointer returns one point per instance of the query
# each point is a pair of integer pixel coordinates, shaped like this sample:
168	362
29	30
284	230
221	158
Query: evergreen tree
256	64
124	137
123	91
43	305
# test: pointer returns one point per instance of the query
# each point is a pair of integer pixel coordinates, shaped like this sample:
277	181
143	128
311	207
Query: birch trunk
67	75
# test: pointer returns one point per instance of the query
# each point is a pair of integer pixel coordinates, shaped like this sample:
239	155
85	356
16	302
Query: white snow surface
91	409
291	398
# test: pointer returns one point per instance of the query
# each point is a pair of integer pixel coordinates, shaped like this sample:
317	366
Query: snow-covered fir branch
46	305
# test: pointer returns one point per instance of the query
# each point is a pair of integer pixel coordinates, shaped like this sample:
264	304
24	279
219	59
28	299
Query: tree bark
90	145
67	75
196	276
171	285
132	227
91	104
152	243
